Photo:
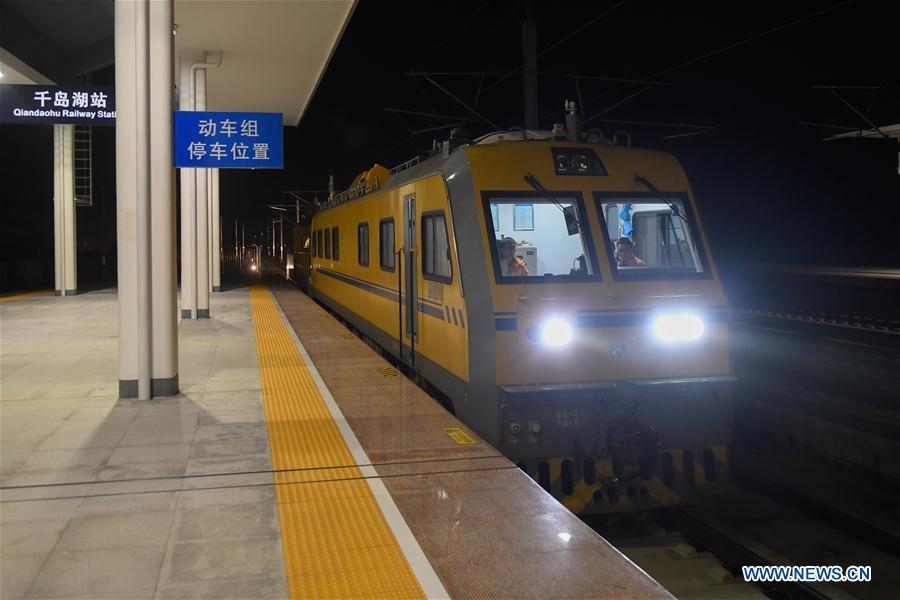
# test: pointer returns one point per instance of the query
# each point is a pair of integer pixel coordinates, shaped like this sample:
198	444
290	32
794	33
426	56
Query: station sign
57	104
228	140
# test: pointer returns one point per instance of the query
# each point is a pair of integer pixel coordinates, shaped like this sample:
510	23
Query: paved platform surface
286	467
487	528
134	533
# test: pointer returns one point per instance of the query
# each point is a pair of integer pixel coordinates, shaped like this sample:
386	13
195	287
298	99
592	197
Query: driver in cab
625	254
510	264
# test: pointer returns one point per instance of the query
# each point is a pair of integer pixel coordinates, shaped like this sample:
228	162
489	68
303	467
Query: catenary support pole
529	73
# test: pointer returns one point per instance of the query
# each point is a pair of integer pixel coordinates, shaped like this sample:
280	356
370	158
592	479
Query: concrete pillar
58	263
188	225
164	380
216	222
64	236
145	199
202	203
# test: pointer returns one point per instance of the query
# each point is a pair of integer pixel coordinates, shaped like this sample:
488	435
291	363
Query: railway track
698	551
815	395
815	470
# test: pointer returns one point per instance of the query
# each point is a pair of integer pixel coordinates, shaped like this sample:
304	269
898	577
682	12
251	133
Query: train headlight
678	327
252	267
555	332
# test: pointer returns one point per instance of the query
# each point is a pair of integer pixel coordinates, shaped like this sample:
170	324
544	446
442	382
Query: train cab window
362	241
550	242
386	244
335	244
436	248
327	243
650	237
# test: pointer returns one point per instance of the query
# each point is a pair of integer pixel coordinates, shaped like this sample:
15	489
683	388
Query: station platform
295	462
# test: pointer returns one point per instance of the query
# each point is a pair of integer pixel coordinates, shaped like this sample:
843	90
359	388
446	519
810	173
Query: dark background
768	189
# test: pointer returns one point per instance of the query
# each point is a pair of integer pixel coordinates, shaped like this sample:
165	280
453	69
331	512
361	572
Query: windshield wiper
646	183
533	182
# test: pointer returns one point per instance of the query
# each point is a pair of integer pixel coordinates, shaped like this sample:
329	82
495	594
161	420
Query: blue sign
228	140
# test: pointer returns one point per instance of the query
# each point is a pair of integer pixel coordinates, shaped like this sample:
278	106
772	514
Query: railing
367	187
83	166
408	164
357	191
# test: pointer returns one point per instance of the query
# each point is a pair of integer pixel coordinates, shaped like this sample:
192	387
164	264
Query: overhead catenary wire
854	109
555	45
726	48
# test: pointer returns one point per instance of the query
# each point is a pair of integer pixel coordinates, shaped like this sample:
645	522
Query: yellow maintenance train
491	269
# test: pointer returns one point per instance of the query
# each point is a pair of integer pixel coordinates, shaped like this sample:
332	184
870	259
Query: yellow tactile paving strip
337	543
25	295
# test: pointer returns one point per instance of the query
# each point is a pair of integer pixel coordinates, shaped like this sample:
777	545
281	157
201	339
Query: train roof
379	178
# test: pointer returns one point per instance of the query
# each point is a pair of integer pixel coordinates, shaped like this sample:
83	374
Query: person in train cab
625	254
510	264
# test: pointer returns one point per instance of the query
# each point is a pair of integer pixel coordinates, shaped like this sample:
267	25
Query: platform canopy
274	51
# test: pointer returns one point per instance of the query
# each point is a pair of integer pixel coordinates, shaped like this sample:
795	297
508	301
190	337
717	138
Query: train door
409	242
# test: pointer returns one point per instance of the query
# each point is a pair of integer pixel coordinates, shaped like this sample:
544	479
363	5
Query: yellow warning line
25	295
337	543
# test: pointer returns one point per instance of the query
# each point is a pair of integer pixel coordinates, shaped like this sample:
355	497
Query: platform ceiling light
555	332
678	327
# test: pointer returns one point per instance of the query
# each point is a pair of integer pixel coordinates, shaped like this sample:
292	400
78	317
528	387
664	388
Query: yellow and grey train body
492	271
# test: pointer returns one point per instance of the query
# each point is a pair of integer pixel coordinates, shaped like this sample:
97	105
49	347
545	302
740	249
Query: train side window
312	245
386	244
327	243
436	248
335	243
362	241
319	244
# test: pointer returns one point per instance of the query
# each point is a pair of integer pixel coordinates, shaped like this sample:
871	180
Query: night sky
768	189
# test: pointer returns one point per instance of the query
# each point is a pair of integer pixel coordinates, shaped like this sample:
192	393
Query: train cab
611	338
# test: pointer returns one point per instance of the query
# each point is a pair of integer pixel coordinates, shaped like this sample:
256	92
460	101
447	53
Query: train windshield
539	239
650	235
